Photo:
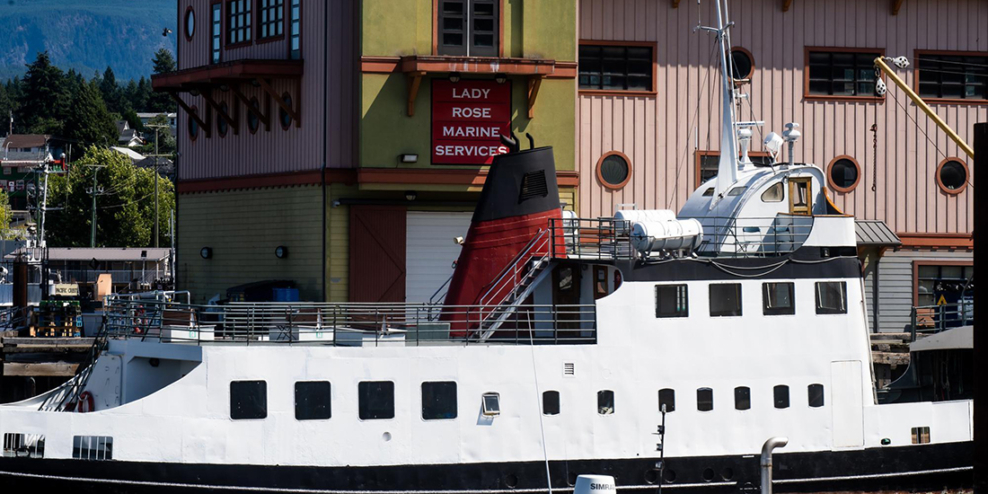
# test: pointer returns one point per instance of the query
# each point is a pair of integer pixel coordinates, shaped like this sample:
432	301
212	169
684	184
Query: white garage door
430	251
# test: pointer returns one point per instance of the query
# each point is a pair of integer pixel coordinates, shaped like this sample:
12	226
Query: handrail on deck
931	319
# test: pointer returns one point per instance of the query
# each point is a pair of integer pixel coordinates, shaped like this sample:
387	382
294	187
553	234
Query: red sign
468	119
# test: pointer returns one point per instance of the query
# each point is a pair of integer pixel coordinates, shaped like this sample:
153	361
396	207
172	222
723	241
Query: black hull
909	468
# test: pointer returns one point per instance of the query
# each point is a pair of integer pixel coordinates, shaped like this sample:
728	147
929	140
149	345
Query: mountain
86	35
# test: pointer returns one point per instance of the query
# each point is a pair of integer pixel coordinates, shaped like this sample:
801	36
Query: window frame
329	407
740	306
742	393
807	96
288	28
698	400
222	126
189	11
686	296
216	54
751	58
652	91
670	404
917	54
933	262
603	394
559	402
499	35
456	403
282	114
189	122
809	395
361	397
258	23
250	114
249	28
600	176
264	395
967	175
774	311
775	398
827	311
830	180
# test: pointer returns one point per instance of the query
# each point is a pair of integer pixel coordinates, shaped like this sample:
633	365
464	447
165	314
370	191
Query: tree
44	99
133	120
161	102
163	61
6	216
142	97
6	109
111	92
88	121
125	210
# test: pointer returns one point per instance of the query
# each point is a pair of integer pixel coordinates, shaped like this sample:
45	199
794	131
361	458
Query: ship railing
594	239
529	260
346	324
930	319
753	237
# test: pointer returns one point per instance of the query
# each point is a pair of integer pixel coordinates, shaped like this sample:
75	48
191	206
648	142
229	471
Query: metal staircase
515	283
66	397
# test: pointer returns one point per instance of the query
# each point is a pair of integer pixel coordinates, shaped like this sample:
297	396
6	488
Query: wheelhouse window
814	396
667	398
831	297
605	402
92	447
376	400
438	400
671	301
468	28
313	400
272	19
841	73
725	299
295	30
239	24
216	31
616	68
550	403
777	299
780	395
953	76
248	400
742	398
704	399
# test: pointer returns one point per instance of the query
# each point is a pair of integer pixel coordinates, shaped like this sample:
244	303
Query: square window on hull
313	400
248	400
438	400
376	400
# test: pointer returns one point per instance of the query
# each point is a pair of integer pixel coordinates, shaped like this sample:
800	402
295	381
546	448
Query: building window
709	161
667	398
313	400
253	121
605	402
23	445
952	76
616	68
376	400
742	63
831	297
190	23
238	22
248	400
272	19
284	116
92	448
834	72
671	301
725	299
742	398
814	396
216	36
777	299
193	124
952	176
438	400
844	173
295	30
221	124
944	284
550	403
780	395
704	399
468	28
614	170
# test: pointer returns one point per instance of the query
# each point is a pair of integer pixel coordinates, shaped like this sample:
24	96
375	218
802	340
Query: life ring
86	397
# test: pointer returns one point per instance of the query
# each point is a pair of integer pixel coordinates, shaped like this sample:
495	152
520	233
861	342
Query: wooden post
980	324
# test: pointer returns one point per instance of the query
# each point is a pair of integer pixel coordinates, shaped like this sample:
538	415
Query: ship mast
727	169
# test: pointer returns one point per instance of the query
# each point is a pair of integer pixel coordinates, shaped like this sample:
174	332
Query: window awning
875	233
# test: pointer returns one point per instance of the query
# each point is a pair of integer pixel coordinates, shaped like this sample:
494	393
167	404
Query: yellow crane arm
923	106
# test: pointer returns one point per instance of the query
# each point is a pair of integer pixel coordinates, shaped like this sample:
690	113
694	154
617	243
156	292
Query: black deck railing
930	319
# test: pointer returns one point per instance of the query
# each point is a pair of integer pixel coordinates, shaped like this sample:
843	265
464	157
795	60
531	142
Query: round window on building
614	170
190	23
253	122
844	174
221	124
193	124
952	175
286	118
743	63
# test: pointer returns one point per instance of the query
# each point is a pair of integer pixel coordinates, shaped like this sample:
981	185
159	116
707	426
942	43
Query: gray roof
99	253
875	233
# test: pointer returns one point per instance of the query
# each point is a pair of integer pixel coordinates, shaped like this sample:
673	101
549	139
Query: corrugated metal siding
660	134
243	228
279	151
895	297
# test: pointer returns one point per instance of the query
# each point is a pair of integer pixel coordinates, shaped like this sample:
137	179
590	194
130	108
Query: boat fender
87	398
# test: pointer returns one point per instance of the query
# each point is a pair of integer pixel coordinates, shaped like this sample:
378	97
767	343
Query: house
20	156
132	269
130	153
127	136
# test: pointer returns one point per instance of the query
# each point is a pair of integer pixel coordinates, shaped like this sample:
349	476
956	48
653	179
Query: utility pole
156	177
94	191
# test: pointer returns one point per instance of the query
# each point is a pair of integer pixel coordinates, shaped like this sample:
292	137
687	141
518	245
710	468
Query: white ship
559	343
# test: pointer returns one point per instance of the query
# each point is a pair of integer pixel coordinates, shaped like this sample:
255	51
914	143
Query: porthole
708	475
952	175
511	480
285	117
743	63
651	476
253	121
669	476
193	124
190	23
614	170
727	474
844	173
222	126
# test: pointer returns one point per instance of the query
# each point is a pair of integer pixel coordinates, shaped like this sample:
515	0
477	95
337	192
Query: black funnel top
519	184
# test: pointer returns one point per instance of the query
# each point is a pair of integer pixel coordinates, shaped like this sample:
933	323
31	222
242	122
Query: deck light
500	78
409	158
454	77
411	195
206	252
